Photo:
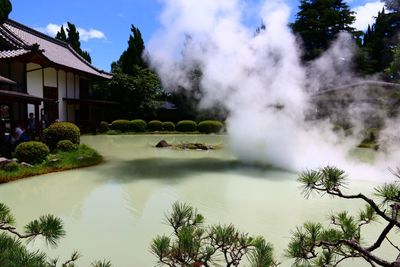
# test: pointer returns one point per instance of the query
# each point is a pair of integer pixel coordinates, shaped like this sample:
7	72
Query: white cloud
85	35
365	14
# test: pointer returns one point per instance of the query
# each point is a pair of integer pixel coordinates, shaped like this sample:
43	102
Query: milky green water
113	210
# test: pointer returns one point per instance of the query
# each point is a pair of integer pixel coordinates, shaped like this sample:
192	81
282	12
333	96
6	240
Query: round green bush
32	152
66	146
11	166
120	125
155	126
61	131
103	127
186	126
210	126
168	126
137	126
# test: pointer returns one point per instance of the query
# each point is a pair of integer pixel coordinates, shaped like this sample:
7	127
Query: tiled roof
54	50
13	53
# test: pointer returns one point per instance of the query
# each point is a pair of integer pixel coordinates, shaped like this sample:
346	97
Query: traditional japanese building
45	76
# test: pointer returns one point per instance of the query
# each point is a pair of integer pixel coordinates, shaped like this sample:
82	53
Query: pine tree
5	9
318	22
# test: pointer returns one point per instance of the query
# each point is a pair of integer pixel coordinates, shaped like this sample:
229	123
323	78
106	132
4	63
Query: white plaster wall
50	77
70	113
34	83
76	86
62	85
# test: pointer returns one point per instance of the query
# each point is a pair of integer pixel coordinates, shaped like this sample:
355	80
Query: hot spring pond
112	211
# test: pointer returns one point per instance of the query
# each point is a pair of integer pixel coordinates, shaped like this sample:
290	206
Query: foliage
103	127
66	145
131	58
32	152
11	166
138	95
73	40
155	125
393	5
5	9
81	157
316	245
168	126
120	125
379	40
138	126
393	71
318	22
194	244
186	126
61	131
13	252
210	126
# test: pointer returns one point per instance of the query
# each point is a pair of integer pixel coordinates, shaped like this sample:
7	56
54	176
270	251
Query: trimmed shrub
155	126
186	126
32	152
137	126
210	126
11	167
120	125
66	145
61	131
103	127
168	126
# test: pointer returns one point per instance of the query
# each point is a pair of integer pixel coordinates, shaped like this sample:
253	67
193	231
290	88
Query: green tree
379	40
393	71
5	9
194	244
61	34
73	39
318	22
132	57
13	253
316	245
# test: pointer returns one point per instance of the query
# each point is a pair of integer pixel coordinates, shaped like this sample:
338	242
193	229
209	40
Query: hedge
66	146
155	126
103	127
210	126
61	131
168	126
137	126
186	126
120	125
32	152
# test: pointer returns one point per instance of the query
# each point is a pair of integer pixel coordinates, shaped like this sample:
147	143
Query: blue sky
105	25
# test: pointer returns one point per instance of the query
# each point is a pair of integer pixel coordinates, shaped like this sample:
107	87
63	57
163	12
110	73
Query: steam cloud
259	80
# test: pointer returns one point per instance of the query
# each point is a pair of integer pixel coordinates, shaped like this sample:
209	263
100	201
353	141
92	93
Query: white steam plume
258	79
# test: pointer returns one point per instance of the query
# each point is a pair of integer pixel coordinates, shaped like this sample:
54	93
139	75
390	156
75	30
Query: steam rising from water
259	80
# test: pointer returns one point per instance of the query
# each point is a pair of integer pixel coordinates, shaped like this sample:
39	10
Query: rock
4	161
162	144
24	164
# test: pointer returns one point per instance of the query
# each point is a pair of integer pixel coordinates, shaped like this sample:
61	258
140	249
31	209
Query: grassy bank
82	157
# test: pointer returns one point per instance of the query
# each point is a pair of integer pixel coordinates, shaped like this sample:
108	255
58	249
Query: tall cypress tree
61	34
73	39
132	58
379	41
318	22
5	9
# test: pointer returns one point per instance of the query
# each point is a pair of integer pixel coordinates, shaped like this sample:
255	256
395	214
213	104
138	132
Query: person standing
31	126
